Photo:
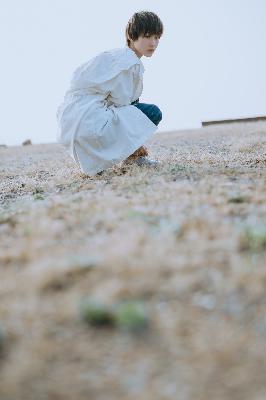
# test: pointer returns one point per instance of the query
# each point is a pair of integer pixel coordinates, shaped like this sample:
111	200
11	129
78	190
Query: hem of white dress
108	164
132	145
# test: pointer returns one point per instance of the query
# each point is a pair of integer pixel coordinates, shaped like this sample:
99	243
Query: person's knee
157	114
160	115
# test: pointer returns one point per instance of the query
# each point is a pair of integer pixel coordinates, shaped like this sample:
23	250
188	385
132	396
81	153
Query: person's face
145	45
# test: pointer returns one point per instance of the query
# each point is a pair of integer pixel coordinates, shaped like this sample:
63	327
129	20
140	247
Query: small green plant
131	315
128	314
146	217
96	313
37	193
38	189
4	219
38	196
254	238
7	219
2	338
237	199
177	168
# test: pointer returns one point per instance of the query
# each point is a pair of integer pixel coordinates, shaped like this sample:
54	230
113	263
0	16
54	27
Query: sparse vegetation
96	313
254	238
132	315
238	199
128	314
2	338
179	250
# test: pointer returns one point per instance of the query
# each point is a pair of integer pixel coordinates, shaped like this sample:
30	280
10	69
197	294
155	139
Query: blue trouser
151	110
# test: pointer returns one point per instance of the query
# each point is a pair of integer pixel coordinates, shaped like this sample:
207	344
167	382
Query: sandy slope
188	240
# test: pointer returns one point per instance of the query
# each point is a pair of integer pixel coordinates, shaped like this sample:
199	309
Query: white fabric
96	121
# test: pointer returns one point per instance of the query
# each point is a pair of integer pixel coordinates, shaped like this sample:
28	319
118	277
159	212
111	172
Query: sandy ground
186	240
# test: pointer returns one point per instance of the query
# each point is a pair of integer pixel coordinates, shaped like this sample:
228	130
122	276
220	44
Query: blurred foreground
185	242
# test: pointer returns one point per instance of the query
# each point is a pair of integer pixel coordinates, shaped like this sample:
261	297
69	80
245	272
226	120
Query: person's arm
120	88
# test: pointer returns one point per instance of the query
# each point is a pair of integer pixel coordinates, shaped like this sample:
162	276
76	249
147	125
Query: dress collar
136	57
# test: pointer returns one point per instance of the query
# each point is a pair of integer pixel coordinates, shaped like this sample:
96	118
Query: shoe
145	161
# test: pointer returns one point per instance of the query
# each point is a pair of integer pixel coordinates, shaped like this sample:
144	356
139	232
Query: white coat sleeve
120	89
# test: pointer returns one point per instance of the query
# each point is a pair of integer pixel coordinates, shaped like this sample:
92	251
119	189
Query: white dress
96	121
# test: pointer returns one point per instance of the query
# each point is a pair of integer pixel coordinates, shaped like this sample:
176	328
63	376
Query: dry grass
186	240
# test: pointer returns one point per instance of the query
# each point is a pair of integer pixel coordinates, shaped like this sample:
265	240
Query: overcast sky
210	62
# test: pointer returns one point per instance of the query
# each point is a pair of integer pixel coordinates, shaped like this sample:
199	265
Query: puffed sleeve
108	75
120	89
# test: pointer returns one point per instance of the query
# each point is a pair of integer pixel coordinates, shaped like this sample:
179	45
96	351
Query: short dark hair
143	23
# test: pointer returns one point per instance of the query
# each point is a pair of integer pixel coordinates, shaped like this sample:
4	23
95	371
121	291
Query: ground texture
186	240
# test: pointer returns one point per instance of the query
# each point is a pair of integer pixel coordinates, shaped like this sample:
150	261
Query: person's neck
139	55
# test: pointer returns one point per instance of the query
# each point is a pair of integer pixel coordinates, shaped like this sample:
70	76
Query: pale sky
210	62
